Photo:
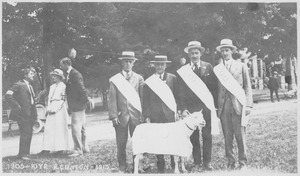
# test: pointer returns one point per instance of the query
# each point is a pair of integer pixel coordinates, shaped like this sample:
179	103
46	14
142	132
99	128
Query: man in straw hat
234	95
124	106
159	104
189	102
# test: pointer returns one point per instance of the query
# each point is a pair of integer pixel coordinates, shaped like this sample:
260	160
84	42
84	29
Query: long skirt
57	135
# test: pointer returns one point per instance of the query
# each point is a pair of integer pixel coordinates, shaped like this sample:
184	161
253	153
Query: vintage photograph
150	87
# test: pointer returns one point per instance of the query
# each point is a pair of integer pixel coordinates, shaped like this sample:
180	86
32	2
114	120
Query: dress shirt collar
162	75
69	69
228	62
125	73
26	82
192	65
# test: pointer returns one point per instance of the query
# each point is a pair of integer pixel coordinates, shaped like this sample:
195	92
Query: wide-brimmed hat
58	72
226	43
160	59
128	55
194	44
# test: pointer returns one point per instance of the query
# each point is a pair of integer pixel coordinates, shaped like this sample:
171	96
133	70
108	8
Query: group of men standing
221	92
163	97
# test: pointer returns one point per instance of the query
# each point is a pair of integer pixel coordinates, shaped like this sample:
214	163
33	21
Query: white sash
163	91
228	81
202	92
127	91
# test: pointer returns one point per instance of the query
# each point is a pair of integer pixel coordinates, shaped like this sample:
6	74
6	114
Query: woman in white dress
56	132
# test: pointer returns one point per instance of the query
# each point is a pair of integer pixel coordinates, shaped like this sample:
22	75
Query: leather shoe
231	166
75	154
242	167
25	157
207	167
196	168
44	152
86	151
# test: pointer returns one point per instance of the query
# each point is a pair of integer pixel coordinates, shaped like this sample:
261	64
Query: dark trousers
207	140
121	138
276	93
25	127
231	125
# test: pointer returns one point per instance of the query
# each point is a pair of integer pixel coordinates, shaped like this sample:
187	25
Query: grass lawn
271	142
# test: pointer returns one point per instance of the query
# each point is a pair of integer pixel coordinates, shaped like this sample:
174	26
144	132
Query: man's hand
50	112
147	120
142	119
185	113
116	122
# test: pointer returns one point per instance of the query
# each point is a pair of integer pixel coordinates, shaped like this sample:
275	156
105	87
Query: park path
99	128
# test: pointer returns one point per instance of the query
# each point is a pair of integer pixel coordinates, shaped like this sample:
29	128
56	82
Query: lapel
69	76
26	87
232	67
165	76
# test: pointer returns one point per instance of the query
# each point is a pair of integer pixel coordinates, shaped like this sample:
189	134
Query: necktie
196	68
227	65
127	76
160	76
32	94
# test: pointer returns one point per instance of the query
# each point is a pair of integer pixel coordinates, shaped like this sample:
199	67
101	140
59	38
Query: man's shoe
24	157
242	167
75	154
122	169
44	152
207	167
231	166
86	151
196	168
160	171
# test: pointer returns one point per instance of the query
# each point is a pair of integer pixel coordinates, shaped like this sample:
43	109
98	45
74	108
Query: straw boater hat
226	43
160	59
194	44
128	55
58	72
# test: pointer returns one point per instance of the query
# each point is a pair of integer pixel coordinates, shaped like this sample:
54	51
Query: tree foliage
40	34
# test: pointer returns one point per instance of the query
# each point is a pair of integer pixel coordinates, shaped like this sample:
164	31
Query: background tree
40	34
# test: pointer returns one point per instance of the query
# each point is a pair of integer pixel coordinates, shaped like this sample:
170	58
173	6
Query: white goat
166	139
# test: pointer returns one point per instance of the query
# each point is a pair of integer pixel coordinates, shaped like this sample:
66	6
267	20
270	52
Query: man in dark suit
155	109
188	101
124	104
274	86
21	100
231	111
77	102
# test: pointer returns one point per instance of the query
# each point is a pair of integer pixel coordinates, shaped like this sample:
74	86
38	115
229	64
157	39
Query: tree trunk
48	20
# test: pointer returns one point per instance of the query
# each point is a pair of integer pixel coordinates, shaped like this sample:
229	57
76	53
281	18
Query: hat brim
186	50
62	76
128	58
226	46
160	62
